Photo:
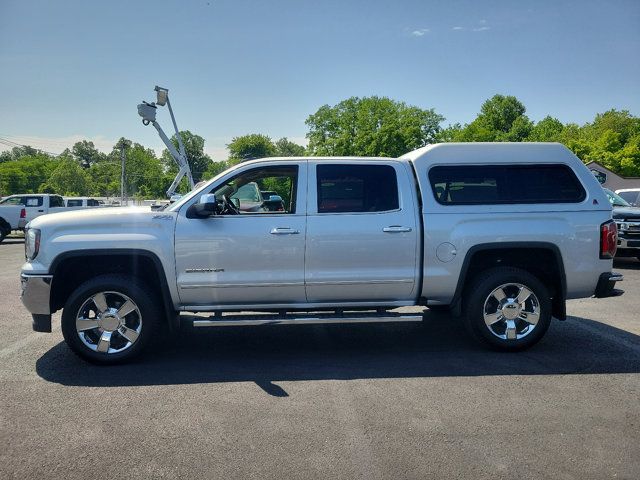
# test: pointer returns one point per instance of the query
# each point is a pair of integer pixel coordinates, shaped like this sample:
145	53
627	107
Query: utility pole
122	159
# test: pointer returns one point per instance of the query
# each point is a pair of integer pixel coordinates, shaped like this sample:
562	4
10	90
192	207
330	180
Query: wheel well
73	270
544	262
4	225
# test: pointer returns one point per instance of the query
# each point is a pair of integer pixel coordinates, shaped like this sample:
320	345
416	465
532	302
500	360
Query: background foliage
369	126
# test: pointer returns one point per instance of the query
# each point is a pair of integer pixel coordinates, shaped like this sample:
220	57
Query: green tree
214	169
68	178
548	129
501	119
286	148
105	178
25	174
86	153
194	148
371	126
500	112
250	147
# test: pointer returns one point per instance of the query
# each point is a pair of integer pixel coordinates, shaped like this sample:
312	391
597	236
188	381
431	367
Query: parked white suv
501	234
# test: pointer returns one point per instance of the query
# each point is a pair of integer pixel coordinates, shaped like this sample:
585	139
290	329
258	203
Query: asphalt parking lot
376	401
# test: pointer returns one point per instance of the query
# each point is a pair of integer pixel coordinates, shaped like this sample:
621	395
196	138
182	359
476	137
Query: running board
298	319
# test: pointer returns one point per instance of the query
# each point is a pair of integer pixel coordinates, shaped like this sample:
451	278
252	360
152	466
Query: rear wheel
110	319
508	309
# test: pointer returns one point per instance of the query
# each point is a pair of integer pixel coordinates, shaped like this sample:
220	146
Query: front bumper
629	243
35	293
606	284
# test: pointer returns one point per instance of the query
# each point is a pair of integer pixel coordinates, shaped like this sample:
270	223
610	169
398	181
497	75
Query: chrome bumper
35	293
628	243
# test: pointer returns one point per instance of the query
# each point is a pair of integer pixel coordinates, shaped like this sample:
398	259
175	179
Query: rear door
362	232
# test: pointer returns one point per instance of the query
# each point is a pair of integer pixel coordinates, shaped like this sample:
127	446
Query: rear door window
33	201
356	188
505	184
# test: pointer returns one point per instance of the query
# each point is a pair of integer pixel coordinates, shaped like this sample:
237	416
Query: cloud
457	28
420	33
481	29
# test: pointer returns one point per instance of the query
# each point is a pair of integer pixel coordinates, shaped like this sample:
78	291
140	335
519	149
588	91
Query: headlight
31	243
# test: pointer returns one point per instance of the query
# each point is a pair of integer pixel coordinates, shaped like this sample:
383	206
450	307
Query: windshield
13	201
615	199
174	207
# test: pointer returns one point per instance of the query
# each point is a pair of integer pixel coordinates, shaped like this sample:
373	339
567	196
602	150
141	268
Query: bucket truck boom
148	113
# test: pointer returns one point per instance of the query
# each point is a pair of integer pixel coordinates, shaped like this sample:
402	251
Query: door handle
40	210
396	229
283	231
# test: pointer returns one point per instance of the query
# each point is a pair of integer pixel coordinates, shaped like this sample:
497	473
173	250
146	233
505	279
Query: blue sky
77	69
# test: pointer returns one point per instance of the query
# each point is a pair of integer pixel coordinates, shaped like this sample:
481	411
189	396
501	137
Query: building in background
612	180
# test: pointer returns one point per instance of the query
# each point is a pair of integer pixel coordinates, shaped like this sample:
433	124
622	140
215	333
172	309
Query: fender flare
172	317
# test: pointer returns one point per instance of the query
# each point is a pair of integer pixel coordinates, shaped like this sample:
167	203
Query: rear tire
507	309
110	319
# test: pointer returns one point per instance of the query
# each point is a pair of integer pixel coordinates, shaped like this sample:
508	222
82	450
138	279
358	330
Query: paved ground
401	401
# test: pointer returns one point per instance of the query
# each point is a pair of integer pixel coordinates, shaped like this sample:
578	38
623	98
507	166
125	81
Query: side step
295	318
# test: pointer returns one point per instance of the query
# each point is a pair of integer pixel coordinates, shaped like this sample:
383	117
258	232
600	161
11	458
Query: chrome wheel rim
109	322
511	311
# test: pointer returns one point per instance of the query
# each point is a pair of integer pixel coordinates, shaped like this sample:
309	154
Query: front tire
110	319
508	309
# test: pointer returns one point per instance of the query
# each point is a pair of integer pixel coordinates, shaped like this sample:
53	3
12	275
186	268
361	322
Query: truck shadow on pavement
265	355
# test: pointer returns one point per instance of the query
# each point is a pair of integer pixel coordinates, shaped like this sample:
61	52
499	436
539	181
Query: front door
253	252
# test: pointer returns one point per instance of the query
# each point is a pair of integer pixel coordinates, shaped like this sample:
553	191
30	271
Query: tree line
369	126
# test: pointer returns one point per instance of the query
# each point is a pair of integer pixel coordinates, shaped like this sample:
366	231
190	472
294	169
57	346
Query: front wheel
508	309
110	319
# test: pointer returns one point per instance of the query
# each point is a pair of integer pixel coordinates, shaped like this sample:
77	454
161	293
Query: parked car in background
12	217
37	204
627	219
631	195
82	202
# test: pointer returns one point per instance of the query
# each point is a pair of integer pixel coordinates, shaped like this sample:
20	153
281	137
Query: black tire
479	292
132	287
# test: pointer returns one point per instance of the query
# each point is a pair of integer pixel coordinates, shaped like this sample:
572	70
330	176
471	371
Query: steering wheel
228	207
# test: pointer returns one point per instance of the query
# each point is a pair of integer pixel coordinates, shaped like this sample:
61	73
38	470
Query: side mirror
206	206
274	198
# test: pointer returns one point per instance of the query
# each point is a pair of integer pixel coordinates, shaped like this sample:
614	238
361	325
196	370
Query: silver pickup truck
498	234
